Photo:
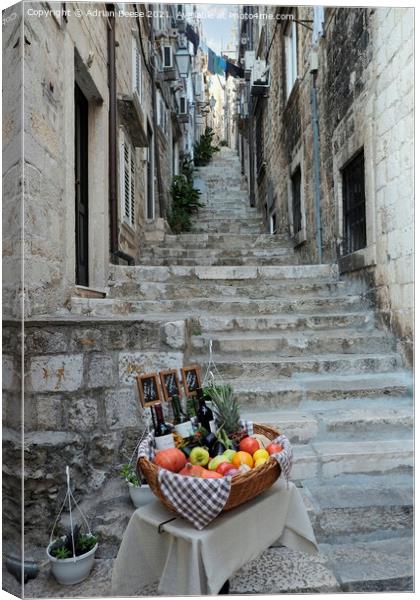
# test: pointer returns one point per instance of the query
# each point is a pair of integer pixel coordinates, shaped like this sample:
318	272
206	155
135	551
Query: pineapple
226	410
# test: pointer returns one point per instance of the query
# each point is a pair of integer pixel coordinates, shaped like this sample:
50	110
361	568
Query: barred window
354	204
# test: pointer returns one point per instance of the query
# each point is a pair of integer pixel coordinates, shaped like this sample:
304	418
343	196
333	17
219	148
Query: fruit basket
245	486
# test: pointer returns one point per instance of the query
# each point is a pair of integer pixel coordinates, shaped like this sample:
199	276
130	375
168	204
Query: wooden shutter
128	167
136	68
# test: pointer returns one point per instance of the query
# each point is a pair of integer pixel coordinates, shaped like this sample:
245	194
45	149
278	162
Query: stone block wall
81	407
130	237
12	59
365	100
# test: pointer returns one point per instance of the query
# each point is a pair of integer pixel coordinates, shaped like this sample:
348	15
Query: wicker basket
244	486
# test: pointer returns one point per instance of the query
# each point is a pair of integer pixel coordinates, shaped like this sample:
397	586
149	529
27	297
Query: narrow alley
281	250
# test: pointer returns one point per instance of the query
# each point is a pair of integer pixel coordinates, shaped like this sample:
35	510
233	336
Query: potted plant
72	556
139	490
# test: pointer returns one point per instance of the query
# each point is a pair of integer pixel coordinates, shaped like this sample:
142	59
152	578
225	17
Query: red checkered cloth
197	500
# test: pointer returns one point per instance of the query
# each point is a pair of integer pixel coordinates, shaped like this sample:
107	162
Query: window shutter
128	166
136	75
132	169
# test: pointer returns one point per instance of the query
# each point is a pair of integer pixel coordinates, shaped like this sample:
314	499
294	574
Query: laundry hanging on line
193	37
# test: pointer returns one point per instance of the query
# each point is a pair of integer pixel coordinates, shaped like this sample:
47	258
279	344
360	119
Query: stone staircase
305	354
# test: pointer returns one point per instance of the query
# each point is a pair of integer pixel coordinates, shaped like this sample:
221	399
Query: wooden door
81	184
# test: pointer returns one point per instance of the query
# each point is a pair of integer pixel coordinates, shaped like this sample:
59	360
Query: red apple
274	448
249	444
223	468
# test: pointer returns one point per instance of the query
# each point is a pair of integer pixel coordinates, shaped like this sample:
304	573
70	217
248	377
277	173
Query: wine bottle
204	413
182	423
163	436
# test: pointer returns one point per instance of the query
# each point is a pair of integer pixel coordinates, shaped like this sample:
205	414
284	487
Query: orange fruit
261	453
242	458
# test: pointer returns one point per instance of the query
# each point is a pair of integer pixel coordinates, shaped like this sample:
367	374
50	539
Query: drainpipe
116	253
316	154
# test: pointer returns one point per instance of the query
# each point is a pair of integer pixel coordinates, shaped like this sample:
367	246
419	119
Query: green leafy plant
204	149
187	168
129	474
83	542
185	202
224	143
62	553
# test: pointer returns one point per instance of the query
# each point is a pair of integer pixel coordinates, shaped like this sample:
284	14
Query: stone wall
13	47
130	236
365	99
81	407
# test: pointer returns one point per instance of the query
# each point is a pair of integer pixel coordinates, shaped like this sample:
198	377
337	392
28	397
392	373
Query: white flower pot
140	495
69	571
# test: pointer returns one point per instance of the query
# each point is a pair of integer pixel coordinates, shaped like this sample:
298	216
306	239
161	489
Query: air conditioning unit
249	59
260	78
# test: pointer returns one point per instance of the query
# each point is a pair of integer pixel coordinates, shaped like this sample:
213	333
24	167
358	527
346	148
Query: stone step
359	505
98	584
154	290
220	306
344	420
217	260
268	365
309	273
224	240
249	343
296	322
260	393
285	571
225	253
331	458
226	227
372	566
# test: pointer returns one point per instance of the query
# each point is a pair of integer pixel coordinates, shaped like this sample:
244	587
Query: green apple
229	454
216	461
199	456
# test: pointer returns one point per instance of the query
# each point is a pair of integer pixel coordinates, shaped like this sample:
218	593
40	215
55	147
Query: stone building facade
108	119
328	145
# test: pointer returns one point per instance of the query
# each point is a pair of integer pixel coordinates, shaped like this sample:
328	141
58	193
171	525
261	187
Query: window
296	181
354	204
182	105
259	141
290	56
136	68
127	179
162	117
167	56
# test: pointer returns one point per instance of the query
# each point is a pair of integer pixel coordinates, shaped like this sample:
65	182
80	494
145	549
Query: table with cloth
188	561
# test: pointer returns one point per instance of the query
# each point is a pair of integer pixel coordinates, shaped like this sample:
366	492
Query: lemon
261	453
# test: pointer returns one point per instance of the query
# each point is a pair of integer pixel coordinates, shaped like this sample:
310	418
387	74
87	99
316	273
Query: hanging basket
244	486
75	568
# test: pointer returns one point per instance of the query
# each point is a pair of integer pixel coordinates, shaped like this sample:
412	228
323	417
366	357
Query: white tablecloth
191	562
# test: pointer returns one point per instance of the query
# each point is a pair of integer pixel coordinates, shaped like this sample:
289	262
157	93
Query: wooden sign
191	379
170	384
149	389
